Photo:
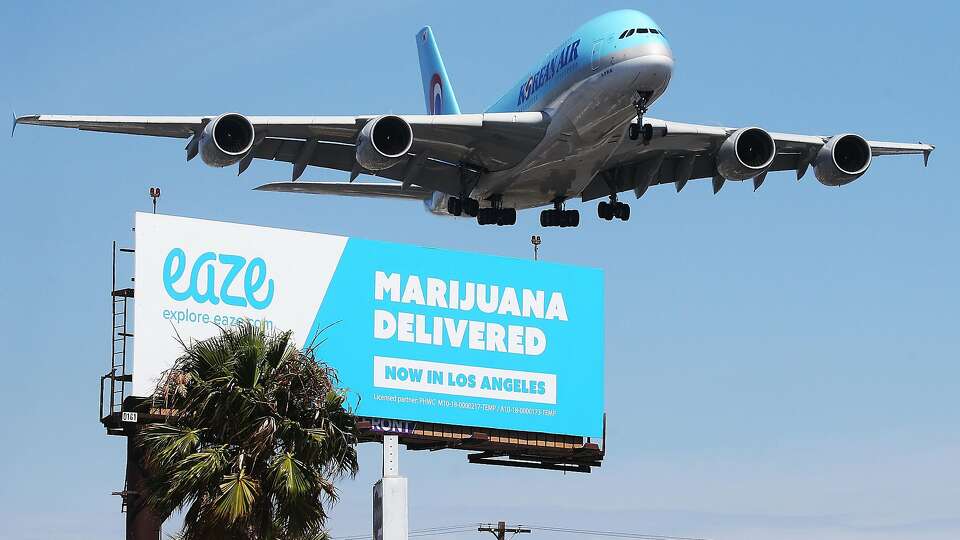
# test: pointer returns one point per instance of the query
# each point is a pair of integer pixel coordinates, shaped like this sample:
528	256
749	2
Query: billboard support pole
390	495
142	522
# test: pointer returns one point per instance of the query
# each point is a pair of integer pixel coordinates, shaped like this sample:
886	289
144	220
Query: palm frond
237	494
289	478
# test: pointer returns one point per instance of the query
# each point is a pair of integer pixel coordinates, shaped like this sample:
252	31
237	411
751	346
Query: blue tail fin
437	91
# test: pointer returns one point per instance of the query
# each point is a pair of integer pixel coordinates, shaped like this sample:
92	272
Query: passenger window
642	30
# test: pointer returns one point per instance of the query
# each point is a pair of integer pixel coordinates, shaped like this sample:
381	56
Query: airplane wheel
634	132
471	207
605	210
647	133
508	216
569	218
454	206
623	211
546	218
486	216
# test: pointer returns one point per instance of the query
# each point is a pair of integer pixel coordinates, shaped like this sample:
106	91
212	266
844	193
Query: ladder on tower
116	391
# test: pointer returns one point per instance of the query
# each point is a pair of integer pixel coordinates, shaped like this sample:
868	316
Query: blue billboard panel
415	333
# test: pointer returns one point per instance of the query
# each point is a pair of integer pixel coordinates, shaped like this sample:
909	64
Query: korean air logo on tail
436	94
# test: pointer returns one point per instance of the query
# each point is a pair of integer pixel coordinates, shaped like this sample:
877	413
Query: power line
610	534
434	533
453	529
429	531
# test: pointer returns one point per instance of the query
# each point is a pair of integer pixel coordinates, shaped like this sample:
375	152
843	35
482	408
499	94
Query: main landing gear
640	129
457	206
613	209
495	215
558	217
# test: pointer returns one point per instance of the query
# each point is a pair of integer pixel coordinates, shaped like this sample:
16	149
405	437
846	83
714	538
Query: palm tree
258	433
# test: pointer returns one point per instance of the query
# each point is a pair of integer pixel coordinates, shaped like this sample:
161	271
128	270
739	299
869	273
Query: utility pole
501	530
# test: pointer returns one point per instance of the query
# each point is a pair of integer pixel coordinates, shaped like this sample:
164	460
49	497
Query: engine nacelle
842	160
383	141
226	139
746	153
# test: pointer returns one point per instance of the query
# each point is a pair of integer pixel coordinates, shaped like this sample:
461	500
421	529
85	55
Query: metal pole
390	521
142	522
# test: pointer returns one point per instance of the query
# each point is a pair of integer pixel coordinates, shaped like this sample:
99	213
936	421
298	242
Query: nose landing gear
640	129
558	217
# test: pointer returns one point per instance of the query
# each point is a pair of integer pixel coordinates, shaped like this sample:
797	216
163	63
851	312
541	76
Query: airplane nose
653	70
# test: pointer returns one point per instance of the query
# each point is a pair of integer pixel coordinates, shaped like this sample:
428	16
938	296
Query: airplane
574	125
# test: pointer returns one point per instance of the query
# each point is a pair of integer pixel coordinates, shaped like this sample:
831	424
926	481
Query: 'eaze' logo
206	274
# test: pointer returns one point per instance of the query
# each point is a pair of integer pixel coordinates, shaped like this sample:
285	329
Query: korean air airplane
573	126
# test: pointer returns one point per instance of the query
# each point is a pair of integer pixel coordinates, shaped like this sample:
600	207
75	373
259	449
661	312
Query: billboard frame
486	446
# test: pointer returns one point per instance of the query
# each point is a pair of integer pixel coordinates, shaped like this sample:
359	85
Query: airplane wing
680	152
351	189
443	143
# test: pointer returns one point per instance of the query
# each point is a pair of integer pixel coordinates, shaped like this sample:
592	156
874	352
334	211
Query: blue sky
779	364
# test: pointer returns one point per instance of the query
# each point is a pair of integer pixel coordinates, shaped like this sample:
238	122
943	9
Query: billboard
416	333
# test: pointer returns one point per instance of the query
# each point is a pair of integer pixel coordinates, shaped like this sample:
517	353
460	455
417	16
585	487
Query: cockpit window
630	31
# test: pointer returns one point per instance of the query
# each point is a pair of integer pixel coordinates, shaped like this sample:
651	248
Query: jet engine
746	153
842	160
226	139
383	141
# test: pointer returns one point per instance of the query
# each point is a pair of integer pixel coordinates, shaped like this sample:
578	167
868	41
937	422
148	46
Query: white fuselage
588	120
